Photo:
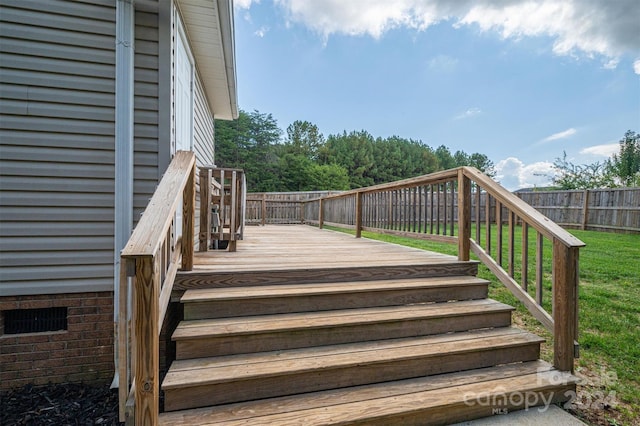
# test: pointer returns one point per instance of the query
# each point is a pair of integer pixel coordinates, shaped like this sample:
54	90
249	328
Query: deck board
283	247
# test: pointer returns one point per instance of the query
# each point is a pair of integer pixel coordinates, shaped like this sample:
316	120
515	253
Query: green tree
328	177
354	152
587	176
398	158
482	163
304	138
249	143
626	165
445	159
294	172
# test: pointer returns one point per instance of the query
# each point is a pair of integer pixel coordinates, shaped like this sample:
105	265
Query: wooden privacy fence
613	209
162	242
448	207
279	207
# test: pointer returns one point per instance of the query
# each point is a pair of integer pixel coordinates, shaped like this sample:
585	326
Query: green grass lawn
609	316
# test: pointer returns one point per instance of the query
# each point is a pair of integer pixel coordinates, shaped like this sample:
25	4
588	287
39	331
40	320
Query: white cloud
244	4
471	112
601	27
604	150
513	174
560	135
261	32
636	66
611	64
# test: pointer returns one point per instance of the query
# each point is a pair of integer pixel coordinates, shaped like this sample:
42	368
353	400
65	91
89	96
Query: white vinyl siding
57	85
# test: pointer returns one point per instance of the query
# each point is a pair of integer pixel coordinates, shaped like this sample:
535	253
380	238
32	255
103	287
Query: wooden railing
225	190
263	210
451	206
149	264
163	242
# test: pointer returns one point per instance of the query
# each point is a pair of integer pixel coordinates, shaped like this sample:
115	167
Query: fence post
188	217
565	304
585	209
464	215
147	358
320	213
359	214
205	209
264	209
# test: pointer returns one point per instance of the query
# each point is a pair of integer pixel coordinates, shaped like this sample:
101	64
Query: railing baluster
414	207
405	209
452	219
477	214
487	220
525	255
499	232
539	267
205	210
431	206
511	243
444	205
425	212
359	201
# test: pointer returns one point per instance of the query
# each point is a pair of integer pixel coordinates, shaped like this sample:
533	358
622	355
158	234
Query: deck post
233	211
464	215
565	302
585	209
205	209
147	358
188	218
264	208
320	213
359	196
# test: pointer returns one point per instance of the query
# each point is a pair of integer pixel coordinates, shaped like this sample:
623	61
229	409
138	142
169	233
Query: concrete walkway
552	416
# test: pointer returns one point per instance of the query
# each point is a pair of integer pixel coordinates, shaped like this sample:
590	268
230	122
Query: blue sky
520	81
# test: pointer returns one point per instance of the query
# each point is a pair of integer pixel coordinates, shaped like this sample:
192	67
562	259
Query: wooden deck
284	252
309	326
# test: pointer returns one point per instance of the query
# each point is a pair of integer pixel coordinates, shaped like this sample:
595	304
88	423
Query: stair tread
346	317
280	290
205	371
381	400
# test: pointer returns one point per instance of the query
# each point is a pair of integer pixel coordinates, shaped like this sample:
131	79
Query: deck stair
411	350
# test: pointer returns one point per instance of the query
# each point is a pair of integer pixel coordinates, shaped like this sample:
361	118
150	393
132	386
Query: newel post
320	213
565	304
205	209
188	219
147	359
464	215
359	196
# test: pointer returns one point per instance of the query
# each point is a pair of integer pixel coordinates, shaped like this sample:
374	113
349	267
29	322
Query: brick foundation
82	353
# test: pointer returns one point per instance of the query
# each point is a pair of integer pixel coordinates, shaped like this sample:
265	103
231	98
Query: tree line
302	159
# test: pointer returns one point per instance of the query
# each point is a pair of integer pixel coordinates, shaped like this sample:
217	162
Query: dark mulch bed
66	404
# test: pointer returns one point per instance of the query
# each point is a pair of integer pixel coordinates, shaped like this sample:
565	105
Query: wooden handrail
542	223
158	215
151	258
424	207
